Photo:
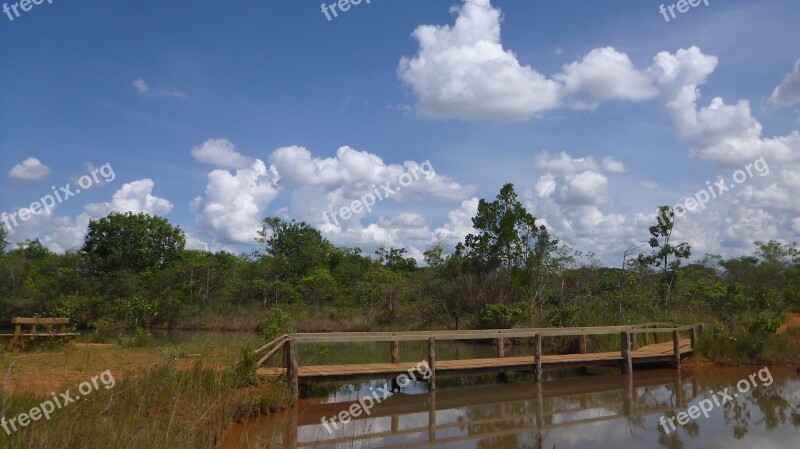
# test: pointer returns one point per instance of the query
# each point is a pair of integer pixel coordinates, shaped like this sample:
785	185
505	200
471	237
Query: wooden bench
48	324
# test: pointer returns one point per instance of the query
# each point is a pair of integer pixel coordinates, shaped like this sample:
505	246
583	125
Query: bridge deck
662	352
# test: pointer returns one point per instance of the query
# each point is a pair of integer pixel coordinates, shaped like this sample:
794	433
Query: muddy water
606	411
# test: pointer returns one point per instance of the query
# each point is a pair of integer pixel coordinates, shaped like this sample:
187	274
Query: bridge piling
627	361
432	363
537	358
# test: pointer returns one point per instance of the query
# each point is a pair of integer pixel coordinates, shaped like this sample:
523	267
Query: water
589	410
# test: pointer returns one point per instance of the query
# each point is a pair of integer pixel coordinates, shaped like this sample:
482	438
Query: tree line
133	270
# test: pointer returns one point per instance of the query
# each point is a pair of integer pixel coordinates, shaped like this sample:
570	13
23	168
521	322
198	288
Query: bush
141	337
105	329
275	323
243	372
762	324
500	316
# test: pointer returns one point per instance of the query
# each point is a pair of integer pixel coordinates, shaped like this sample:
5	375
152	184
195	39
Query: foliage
275	324
141	337
135	242
500	316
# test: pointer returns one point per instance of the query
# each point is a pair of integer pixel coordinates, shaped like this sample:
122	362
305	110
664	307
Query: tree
3	238
666	256
135	242
509	239
394	259
508	236
299	246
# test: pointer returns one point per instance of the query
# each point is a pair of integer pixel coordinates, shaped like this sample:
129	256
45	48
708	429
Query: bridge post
395	352
633	340
432	363
693	336
627	362
676	349
583	344
501	347
656	336
432	417
290	358
537	358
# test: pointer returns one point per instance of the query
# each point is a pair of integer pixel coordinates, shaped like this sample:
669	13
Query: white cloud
726	134
222	153
606	73
61	233
788	93
236	203
31	169
463	71
135	197
612	165
141	86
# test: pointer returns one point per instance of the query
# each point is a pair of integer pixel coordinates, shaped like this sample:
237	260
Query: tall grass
163	407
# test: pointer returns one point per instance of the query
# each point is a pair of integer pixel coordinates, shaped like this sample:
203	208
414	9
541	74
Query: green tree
135	242
298	246
666	256
505	232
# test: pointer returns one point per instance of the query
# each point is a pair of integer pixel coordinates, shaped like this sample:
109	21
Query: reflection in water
588	411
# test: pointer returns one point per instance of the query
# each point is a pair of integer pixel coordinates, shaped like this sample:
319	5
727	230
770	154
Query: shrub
276	323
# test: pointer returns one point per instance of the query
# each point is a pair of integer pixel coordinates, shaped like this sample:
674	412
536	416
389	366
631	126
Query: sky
384	123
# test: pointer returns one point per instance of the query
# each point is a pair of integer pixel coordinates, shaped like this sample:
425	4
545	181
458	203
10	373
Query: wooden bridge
679	343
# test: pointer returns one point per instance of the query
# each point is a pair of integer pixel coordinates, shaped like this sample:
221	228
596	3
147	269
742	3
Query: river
742	407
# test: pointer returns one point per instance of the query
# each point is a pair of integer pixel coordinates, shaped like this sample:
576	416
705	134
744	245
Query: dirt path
792	321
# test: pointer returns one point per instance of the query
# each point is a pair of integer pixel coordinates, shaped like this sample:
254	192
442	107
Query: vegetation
163	407
133	273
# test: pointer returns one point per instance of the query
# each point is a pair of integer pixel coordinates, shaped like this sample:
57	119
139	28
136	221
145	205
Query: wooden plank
352	337
40	321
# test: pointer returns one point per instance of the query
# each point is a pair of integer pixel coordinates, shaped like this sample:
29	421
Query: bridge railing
629	339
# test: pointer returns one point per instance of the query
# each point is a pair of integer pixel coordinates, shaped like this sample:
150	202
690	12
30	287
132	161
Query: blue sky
293	115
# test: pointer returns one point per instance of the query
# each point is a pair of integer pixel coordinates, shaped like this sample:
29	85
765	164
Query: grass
171	395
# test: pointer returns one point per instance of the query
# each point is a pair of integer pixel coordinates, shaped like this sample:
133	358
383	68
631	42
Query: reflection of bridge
491	411
629	354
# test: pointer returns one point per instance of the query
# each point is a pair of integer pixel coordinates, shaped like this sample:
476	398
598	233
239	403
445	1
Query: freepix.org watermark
58	196
57	402
380	193
376	396
717	400
715	190
682	6
343	5
22	5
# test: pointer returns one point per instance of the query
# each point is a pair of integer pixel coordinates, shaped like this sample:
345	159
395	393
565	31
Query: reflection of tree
775	410
669	441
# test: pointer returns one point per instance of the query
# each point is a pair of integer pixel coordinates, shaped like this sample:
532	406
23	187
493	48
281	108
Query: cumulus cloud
31	169
222	153
604	74
463	71
726	134
578	181
788	93
235	203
